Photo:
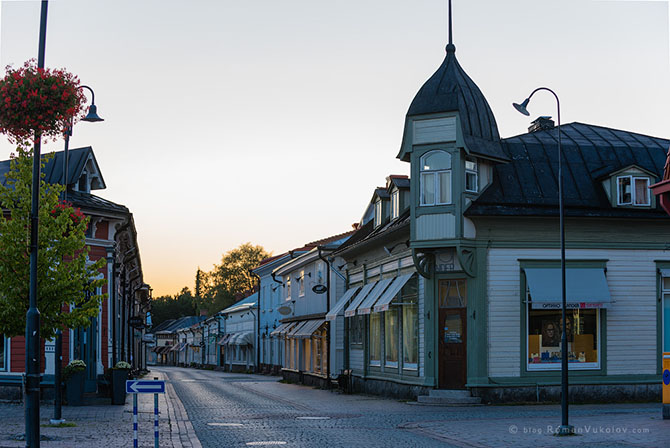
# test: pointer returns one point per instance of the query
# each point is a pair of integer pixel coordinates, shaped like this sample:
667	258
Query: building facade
111	235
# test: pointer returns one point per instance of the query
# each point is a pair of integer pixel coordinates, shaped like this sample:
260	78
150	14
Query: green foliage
64	275
76	365
122	365
232	276
172	307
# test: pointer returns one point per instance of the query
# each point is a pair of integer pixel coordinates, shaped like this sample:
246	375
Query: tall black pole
58	352
32	387
565	428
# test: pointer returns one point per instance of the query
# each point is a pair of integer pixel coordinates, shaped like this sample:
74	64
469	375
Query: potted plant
37	100
119	377
73	376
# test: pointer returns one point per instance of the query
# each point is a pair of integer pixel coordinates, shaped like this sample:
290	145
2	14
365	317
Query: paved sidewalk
614	428
104	425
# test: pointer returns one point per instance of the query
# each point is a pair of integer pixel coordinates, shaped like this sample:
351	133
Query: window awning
339	306
245	338
182	346
366	305
353	306
584	288
224	339
308	329
293	331
280	330
385	300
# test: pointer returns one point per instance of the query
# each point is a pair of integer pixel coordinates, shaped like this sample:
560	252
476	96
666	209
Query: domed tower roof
450	89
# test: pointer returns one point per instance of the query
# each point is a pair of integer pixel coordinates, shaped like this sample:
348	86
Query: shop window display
544	338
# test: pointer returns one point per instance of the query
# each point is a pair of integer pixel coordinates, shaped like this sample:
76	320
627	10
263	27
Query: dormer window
83	183
395	204
633	190
378	213
471	179
436	178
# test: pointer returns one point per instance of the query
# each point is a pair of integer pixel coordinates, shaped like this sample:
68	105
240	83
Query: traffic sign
145	387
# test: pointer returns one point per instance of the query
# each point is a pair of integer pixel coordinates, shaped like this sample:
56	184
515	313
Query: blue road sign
145	387
666	377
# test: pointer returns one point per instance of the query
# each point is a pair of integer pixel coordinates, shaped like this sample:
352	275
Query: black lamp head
522	107
92	115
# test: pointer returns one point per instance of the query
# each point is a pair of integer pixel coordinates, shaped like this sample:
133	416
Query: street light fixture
565	428
91	116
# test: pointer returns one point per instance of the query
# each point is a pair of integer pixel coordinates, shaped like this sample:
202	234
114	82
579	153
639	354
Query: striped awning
391	292
309	328
355	303
344	301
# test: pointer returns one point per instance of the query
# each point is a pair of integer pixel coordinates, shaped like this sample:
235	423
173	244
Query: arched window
436	178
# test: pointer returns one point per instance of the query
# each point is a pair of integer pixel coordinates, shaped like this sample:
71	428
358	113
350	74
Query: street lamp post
32	378
91	116
565	428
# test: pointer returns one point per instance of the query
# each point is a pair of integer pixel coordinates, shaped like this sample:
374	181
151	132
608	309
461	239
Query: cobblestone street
215	409
236	410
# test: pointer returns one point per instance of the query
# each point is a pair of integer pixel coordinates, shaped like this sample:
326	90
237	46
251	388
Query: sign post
666	386
155	387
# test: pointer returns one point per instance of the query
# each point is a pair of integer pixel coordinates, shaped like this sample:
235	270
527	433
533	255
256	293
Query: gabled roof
181	323
368	234
400	181
527	185
244	304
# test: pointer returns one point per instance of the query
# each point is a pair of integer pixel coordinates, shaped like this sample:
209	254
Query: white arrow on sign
145	387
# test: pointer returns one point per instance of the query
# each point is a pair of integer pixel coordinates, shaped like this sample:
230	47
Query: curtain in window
391	337
375	338
410	336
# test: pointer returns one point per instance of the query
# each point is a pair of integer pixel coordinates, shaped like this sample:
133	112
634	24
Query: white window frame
395	204
320	273
633	197
647	192
530	367
301	283
436	180
287	287
475	172
378	213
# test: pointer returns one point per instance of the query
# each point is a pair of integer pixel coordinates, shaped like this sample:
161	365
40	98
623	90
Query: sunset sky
272	121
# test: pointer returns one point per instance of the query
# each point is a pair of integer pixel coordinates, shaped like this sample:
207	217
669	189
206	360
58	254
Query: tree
172	307
232	276
66	281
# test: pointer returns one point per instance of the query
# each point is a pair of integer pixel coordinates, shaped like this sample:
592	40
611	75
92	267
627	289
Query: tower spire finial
451	40
451	48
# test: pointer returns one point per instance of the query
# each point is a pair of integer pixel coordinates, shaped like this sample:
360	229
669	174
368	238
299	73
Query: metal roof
528	183
450	89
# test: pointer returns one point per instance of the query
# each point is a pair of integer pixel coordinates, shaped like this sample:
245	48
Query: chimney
542	123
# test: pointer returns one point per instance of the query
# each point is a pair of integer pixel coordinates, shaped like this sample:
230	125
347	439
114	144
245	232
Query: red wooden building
111	235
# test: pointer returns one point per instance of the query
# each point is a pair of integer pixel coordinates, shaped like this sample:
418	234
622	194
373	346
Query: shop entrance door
452	332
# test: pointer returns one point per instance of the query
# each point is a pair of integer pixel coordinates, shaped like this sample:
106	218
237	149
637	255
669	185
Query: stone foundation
596	393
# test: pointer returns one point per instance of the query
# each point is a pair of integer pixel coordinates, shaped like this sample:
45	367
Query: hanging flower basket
38	100
76	215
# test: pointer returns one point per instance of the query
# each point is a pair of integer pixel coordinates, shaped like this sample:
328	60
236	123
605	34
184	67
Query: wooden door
452	334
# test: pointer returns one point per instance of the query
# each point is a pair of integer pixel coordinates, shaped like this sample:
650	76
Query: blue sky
272	122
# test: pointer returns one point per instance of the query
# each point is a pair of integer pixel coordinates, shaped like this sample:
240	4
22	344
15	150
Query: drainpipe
327	309
111	287
258	322
122	313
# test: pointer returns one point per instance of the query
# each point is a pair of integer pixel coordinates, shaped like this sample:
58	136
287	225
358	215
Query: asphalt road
238	410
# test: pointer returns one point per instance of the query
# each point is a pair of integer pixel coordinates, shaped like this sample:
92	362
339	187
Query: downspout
112	299
258	322
122	315
327	309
